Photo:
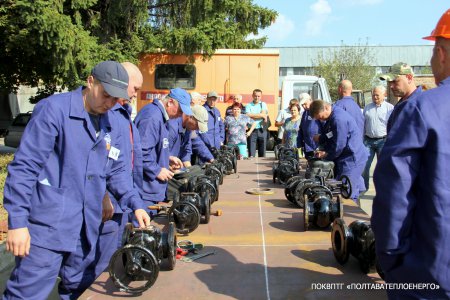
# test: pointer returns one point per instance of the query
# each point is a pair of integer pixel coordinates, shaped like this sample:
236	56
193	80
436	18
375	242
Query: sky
351	22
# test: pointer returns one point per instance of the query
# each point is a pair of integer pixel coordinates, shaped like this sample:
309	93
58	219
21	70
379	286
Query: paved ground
367	198
262	251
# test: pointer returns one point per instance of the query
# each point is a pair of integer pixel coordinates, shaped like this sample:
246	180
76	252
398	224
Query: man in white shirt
376	116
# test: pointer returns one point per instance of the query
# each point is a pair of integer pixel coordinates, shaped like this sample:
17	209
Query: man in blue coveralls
347	103
215	135
69	154
410	214
114	218
309	127
181	130
401	82
152	123
341	142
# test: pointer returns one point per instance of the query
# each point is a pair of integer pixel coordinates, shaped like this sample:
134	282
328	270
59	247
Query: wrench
197	256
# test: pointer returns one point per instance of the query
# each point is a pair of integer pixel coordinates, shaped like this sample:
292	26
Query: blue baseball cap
113	77
183	98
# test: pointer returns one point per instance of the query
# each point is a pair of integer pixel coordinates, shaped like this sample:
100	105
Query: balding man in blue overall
182	129
410	214
152	123
341	142
69	154
347	103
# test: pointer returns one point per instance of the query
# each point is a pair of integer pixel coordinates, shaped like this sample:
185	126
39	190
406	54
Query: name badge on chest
114	153
329	134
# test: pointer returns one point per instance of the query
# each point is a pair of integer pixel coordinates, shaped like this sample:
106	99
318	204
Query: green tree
55	43
346	62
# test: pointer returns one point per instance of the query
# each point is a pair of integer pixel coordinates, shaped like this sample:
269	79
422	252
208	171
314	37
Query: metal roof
418	55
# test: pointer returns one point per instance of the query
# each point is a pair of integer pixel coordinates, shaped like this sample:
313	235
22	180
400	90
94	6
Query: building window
172	76
283	71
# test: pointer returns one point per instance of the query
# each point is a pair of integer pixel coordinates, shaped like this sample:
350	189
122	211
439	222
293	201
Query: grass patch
5	159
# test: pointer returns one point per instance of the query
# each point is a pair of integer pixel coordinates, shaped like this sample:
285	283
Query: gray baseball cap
201	115
113	77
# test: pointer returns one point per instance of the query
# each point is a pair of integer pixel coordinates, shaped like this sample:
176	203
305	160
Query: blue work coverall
309	127
200	152
179	140
152	123
342	142
411	209
216	129
348	104
55	187
399	106
111	231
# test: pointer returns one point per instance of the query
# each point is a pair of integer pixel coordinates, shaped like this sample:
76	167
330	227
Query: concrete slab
261	251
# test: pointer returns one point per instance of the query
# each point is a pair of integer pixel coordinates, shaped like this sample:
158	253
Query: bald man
135	84
347	103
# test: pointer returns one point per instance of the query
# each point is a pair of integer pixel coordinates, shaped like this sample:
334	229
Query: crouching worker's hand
142	217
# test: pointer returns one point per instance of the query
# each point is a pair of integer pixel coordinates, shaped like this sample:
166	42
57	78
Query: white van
294	85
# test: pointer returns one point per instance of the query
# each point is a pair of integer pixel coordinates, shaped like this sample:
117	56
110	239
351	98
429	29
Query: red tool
181	253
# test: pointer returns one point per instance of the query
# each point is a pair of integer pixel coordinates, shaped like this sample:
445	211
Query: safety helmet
442	28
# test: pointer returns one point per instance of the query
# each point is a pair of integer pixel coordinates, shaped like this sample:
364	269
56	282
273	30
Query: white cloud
278	31
360	2
321	11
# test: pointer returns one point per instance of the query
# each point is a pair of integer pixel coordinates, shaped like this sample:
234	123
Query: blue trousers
353	170
373	146
257	138
35	275
109	241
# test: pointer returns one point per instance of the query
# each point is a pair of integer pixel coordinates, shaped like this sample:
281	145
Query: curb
6	259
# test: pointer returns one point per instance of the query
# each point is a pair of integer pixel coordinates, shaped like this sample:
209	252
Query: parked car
16	129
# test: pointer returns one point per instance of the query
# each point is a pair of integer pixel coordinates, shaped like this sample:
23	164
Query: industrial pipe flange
346	187
358	240
134	267
185	215
203	186
277	150
290	186
227	163
286	171
299	189
216	170
340	237
286	153
169	245
320	208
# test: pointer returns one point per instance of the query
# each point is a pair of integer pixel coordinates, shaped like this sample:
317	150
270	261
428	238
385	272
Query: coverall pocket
47	205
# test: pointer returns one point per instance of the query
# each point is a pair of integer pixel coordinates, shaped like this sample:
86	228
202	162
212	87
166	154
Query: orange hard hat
442	28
